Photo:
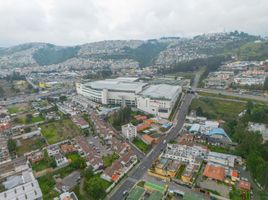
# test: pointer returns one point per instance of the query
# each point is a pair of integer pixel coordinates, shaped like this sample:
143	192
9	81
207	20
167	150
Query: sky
72	22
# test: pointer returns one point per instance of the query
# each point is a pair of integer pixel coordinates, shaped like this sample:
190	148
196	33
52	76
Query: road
224	92
146	163
33	97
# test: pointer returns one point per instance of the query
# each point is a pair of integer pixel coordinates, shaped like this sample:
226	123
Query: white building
155	99
225	160
158	99
184	153
22	187
61	160
112	91
68	196
129	131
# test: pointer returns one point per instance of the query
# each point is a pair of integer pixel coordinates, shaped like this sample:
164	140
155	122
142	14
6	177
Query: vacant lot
141	145
28	145
59	130
18	108
216	188
217	109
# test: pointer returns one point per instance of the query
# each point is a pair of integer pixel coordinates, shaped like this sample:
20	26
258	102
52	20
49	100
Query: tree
63	98
2	92
88	173
94	188
199	111
265	86
29	118
12	146
249	107
79	163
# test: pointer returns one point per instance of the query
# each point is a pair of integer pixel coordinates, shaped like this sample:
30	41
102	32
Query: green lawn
180	171
23	120
59	130
109	159
218	109
141	145
37	119
41	165
47	182
13	109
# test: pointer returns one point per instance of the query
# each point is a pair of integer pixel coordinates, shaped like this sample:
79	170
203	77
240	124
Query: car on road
125	193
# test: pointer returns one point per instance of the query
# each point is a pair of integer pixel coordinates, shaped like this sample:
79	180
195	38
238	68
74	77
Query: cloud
69	22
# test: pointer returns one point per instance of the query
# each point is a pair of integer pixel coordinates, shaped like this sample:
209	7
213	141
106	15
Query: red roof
214	172
244	185
235	174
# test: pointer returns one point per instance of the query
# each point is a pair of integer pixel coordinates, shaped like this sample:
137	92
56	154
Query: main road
228	93
147	161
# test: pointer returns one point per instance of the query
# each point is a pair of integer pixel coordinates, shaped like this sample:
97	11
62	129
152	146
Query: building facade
129	131
156	99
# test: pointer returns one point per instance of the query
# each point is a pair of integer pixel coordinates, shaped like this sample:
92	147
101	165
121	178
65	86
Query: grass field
13	109
59	130
141	145
30	144
41	165
218	109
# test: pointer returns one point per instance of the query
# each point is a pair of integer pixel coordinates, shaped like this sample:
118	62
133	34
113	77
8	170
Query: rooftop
120	84
160	91
214	172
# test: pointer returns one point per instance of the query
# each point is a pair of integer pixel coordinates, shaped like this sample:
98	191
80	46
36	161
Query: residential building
244	185
61	160
68	196
225	160
83	124
129	131
184	153
22	187
214	172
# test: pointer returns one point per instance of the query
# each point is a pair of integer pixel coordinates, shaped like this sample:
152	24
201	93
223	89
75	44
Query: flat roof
119	84
160	91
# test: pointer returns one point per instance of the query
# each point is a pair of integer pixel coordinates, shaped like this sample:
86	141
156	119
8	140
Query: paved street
145	164
33	97
224	92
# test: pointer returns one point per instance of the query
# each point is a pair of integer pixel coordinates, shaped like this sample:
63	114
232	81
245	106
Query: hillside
166	51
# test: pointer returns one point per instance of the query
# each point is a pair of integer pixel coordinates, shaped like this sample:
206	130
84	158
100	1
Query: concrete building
158	99
117	91
68	196
129	131
184	153
226	160
154	99
22	187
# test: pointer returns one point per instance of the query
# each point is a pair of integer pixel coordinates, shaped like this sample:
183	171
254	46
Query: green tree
199	111
2	92
94	188
249	107
29	118
265	86
88	173
12	146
